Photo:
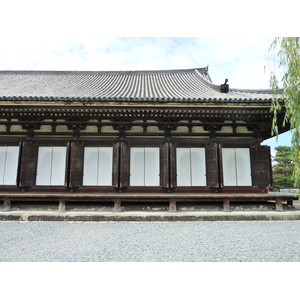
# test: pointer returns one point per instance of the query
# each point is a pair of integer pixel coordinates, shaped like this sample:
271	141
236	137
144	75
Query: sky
140	35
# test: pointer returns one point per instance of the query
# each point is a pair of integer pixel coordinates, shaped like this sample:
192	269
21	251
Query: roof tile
188	85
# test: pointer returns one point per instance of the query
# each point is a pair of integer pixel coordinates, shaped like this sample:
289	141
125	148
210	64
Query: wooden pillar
62	205
279	206
6	205
172	205
117	205
226	205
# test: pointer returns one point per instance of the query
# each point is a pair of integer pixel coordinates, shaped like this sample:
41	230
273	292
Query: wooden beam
117	205
6	205
226	205
62	205
172	205
279	206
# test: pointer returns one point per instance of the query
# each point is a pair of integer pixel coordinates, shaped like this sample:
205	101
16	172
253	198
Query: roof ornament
225	87
206	70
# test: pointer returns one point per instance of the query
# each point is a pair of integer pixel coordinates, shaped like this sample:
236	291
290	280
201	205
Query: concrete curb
148	216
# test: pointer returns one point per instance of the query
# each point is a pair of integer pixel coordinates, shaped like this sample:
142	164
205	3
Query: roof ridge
207	80
260	91
101	72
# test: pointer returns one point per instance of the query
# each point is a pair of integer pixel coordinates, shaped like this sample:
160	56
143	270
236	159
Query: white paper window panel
236	167
191	167
243	167
51	166
9	156
97	166
144	166
152	166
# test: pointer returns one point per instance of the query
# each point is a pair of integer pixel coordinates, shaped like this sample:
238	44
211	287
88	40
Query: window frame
191	173
145	172
98	173
15	164
53	169
232	177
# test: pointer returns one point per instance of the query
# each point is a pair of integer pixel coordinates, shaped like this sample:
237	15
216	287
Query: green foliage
289	61
283	172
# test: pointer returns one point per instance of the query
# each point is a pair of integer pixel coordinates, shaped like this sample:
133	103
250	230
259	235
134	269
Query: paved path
232	241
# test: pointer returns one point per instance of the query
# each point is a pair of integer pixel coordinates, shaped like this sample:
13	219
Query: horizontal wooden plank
147	196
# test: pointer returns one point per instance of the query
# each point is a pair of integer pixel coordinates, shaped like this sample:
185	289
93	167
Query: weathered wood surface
172	198
148	196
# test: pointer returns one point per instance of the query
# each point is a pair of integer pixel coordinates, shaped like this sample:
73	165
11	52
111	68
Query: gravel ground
259	241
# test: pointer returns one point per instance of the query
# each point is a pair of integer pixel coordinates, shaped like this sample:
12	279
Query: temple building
168	135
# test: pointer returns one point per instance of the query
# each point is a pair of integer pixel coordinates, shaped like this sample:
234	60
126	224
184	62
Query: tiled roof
189	85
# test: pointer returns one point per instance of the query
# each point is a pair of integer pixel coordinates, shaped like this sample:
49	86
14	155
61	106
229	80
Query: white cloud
243	64
75	35
91	35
